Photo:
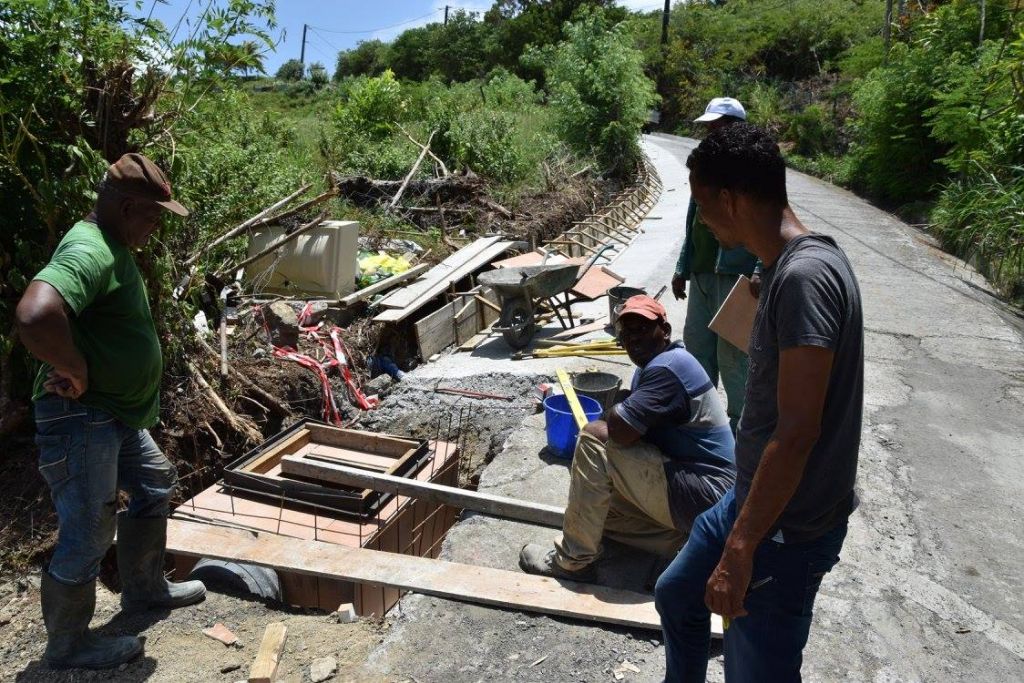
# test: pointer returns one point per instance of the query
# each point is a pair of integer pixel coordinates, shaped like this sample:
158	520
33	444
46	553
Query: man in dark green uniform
86	317
711	272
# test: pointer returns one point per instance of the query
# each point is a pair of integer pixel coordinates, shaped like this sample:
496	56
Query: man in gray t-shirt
758	557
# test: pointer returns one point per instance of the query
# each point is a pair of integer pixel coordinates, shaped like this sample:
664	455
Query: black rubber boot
140	562
70	644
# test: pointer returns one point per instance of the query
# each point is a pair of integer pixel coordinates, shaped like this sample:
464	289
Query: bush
981	217
486	141
599	92
368	58
292	70
812	132
318	76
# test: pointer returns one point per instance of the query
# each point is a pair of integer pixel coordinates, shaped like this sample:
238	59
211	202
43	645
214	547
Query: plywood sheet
596	282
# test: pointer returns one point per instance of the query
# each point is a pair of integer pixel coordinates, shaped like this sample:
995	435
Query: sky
340	24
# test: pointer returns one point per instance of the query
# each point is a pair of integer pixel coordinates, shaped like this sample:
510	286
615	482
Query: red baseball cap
137	176
646	306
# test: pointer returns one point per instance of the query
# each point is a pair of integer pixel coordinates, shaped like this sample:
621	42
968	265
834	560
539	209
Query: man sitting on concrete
662	457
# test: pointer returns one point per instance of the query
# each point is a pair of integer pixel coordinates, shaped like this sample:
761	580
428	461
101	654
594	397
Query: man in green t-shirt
711	272
86	317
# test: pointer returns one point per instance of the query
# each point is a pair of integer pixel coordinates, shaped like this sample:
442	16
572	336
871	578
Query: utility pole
302	55
446	15
664	23
887	29
981	31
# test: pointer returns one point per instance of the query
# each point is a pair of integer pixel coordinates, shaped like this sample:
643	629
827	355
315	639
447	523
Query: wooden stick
244	225
384	285
570	396
268	399
495	506
333	192
223	345
283	241
487	303
444	169
264	669
412	172
238	423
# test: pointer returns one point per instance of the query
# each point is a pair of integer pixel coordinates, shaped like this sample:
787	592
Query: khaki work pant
620	492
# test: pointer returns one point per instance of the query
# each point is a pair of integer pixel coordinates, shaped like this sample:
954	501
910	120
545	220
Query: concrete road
929	588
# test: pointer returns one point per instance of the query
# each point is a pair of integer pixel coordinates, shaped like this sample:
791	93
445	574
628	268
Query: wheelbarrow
522	289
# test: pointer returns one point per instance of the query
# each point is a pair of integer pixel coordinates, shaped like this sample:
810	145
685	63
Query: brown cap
137	176
641	304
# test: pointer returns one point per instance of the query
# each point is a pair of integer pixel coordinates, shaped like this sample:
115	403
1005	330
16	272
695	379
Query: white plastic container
321	262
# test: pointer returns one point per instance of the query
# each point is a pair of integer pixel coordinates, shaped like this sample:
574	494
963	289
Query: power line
382	28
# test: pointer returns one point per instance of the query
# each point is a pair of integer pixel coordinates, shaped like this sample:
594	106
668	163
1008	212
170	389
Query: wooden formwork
618	223
404	526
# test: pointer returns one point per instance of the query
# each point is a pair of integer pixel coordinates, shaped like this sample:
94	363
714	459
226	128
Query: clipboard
734	321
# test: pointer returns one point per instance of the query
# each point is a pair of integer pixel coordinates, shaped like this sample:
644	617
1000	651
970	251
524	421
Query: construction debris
346	614
282	324
221	633
264	668
322	669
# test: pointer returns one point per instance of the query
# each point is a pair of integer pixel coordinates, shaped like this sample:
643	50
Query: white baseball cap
722	106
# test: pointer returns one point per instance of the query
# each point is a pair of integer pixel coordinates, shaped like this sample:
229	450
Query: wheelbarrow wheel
517	317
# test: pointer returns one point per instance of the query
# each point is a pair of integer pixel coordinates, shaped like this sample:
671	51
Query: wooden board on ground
579	330
264	668
401	304
495	506
439	273
482	585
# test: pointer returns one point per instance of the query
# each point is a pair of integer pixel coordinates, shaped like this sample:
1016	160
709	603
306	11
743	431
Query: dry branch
246	224
240	424
269	220
444	169
268	399
283	241
412	172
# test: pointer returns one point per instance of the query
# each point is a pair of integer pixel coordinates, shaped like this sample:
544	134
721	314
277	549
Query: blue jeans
768	643
705	295
85	456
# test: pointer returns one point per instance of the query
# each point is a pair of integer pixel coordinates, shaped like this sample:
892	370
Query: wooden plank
481	585
596	283
435	332
264	669
495	506
485	257
289	445
475	341
365	461
598	324
455	322
439	273
384	285
357	439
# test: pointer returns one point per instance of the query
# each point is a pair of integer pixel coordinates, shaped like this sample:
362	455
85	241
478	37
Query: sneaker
534	559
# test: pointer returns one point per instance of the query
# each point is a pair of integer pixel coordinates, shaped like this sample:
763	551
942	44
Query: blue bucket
560	426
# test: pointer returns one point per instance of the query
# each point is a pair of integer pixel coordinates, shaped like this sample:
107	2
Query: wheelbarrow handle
592	260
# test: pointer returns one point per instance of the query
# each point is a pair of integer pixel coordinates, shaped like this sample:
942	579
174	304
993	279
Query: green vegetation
937	122
83	81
